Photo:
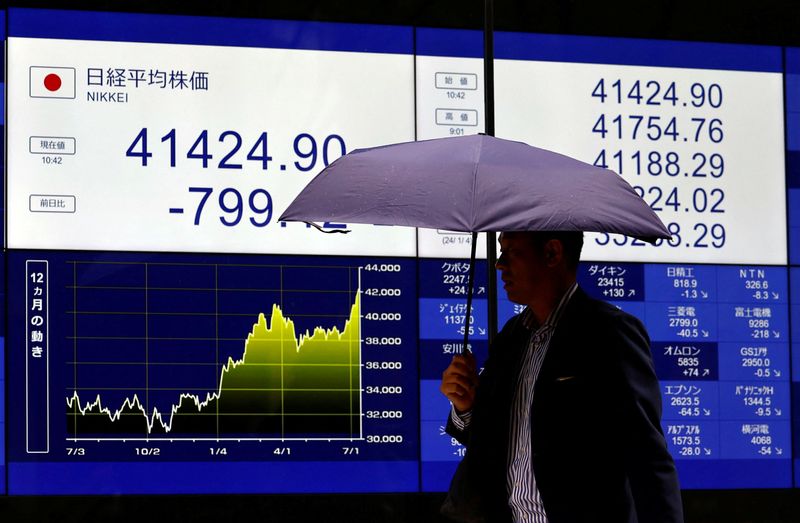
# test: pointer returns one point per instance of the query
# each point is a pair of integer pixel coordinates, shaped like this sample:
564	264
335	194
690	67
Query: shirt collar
529	321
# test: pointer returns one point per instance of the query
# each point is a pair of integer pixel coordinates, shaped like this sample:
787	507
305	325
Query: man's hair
572	242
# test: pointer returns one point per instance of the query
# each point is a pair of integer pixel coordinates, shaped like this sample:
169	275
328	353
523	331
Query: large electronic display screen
719	333
158	373
697	130
196	135
167	334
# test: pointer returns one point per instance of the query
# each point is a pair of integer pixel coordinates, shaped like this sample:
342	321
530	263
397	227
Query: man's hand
459	381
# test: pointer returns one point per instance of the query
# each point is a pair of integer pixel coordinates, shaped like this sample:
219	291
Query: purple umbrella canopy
474	184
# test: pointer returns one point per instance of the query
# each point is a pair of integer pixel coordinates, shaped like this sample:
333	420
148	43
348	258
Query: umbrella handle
470	285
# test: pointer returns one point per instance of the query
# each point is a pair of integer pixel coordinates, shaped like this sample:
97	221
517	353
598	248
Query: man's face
522	267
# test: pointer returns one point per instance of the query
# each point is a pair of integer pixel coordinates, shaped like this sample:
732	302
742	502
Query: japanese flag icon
52	82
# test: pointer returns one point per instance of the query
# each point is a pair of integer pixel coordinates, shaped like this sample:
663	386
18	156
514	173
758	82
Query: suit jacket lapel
562	345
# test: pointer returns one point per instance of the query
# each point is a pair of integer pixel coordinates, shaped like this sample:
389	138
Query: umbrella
473	184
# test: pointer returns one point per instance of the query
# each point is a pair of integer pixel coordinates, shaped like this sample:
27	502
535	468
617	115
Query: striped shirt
523	496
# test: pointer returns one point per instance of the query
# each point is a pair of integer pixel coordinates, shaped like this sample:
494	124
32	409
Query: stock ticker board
275	373
166	331
676	121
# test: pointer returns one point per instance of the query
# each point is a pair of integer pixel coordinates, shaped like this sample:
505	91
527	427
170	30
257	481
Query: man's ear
553	252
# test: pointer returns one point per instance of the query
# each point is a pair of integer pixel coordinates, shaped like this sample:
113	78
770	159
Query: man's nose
501	262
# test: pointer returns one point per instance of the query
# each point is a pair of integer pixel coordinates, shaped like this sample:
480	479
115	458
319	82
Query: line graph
146	337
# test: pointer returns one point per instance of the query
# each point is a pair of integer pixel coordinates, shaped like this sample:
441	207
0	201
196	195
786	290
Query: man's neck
548	299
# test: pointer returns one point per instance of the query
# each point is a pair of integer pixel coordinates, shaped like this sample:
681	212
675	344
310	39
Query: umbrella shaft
488	66
491	286
470	286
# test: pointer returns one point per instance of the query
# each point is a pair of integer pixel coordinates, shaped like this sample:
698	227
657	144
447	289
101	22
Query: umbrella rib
475	185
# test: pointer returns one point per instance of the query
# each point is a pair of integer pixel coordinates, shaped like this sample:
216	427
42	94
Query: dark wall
760	506
773	22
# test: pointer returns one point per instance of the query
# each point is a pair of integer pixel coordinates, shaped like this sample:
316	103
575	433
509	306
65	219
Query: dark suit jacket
598	452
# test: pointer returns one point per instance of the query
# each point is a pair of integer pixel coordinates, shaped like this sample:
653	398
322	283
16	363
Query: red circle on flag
52	82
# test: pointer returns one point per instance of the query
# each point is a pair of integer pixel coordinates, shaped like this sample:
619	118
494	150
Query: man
563	424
